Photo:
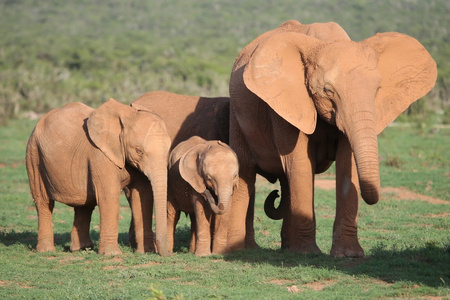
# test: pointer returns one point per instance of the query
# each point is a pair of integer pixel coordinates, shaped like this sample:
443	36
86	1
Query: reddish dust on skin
396	193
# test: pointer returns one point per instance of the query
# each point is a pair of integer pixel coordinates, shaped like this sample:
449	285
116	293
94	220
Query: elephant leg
80	238
285	228
131	231
345	228
108	204
193	241
141	200
250	241
203	233
300	167
173	215
240	217
236	216
44	209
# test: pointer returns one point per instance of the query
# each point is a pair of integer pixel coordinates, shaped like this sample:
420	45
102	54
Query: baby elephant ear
190	168
105	128
407	70
276	74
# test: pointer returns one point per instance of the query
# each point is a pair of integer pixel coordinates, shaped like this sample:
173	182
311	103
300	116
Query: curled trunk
223	199
275	213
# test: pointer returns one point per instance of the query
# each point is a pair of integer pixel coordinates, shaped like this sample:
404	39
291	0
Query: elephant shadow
427	265
29	239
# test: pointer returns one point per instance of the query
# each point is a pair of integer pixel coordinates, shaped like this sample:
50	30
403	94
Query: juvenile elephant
202	178
292	92
84	157
187	116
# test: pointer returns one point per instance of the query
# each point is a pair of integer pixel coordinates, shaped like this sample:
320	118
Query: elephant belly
68	186
74	199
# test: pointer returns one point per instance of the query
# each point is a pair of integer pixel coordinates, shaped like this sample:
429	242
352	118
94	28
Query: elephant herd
301	97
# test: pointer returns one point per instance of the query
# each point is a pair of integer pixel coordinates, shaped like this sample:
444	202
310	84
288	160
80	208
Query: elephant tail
269	206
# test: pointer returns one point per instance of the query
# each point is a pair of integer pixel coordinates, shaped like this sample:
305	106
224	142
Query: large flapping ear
105	128
275	73
408	73
140	107
190	169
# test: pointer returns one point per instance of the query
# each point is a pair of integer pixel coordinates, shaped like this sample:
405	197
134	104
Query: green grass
406	243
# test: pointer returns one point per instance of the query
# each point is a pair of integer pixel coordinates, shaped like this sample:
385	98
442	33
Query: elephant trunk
269	206
363	140
223	200
158	180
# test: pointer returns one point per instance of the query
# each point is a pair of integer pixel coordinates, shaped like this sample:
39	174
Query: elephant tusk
212	202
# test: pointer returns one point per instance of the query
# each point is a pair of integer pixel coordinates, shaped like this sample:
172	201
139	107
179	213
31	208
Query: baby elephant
202	178
84	157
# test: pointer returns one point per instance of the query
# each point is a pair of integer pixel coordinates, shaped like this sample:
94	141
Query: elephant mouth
213	200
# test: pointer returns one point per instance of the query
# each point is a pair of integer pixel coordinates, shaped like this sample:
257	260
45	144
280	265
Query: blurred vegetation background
53	52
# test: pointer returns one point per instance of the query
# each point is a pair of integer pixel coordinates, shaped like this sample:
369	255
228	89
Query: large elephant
202	178
293	92
84	157
187	116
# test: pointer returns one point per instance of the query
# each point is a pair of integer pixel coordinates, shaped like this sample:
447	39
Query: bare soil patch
396	193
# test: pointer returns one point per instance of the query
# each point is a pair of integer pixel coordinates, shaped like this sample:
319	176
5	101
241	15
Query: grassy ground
406	241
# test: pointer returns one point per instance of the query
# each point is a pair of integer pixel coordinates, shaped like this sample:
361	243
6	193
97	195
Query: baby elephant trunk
222	205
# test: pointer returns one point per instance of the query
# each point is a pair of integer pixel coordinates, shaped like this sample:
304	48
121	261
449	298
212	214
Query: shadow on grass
428	265
29	238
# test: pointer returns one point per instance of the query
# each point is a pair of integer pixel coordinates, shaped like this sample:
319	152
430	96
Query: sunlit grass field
406	241
53	52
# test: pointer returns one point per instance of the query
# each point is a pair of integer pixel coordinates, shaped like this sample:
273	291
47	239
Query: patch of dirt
281	281
397	193
404	194
318	286
294	289
150	263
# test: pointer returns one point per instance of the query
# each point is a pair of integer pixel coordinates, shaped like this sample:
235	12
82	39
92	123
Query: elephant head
139	138
211	168
360	87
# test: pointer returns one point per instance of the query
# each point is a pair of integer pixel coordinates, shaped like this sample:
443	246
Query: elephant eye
328	90
139	151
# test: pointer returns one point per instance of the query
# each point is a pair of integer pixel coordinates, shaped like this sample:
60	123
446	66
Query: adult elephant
188	116
291	95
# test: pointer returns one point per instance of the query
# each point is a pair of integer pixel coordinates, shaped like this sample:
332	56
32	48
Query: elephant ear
275	73
190	168
408	73
105	126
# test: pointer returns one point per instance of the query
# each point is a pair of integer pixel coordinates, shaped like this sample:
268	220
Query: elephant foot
109	250
201	253
346	249
82	245
146	248
45	246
